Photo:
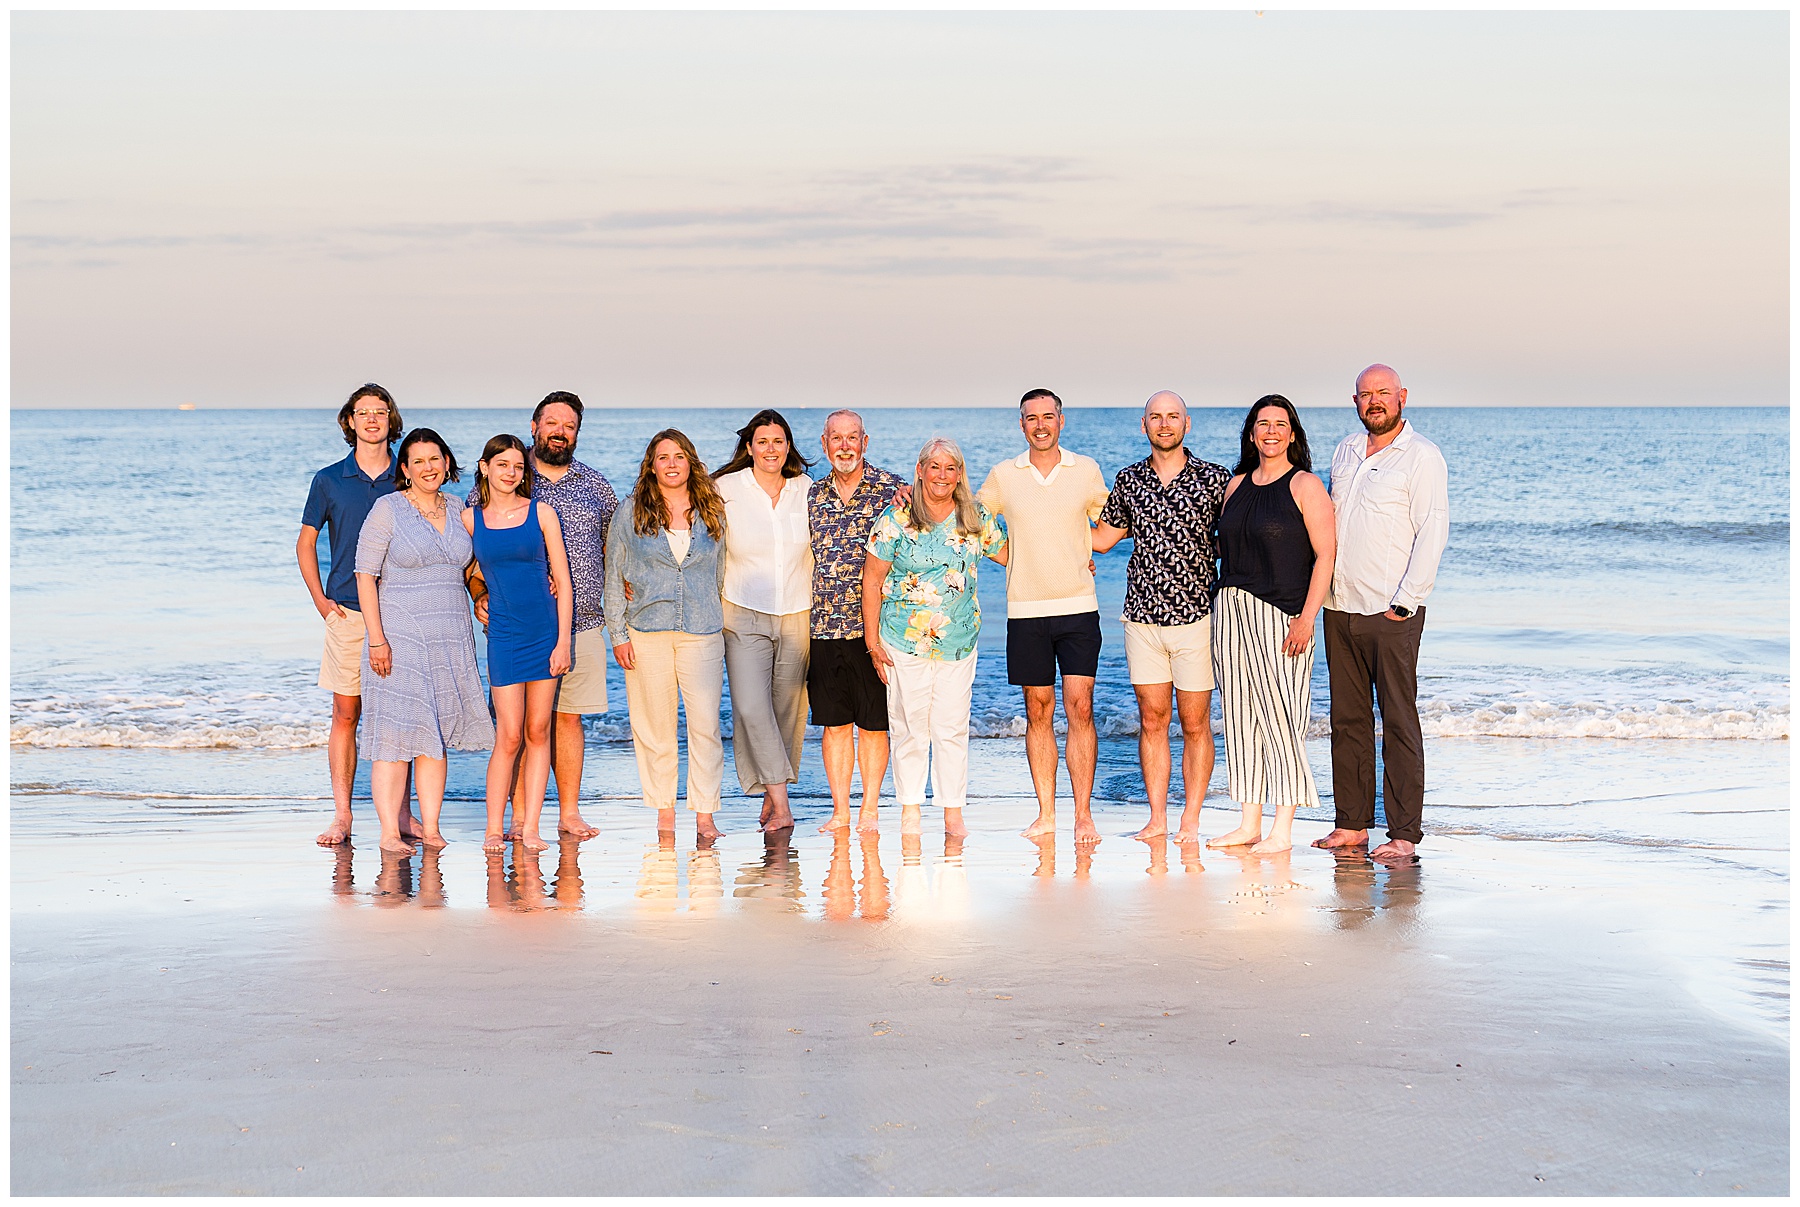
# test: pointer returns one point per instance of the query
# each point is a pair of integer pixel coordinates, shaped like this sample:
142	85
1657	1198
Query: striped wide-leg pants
1265	697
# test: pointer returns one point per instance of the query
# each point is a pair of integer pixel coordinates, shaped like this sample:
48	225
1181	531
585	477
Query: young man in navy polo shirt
341	496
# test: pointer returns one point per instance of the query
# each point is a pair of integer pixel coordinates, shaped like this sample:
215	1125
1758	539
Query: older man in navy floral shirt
849	701
1168	504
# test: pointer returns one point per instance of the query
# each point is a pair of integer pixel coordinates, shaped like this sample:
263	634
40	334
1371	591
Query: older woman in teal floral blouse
921	620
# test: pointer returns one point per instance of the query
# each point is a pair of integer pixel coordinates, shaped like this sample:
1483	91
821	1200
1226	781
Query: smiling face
554	432
845	443
1042	422
369	419
1166	422
941	476
769	449
425	466
670	465
504	471
1272	432
1380	398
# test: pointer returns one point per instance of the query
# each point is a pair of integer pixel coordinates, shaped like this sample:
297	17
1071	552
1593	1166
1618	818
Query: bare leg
387	780
428	782
1248	831
1154	705
705	829
837	744
1281	834
1196	756
1343	838
872	761
665	821
409	826
568	749
341	752
509	739
953	824
1040	753
538	698
775	808
1082	753
909	819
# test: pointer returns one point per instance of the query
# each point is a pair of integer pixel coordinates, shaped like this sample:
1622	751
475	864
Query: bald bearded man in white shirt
1391	491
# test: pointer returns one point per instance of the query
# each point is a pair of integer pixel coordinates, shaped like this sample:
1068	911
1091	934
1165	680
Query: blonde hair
968	515
650	512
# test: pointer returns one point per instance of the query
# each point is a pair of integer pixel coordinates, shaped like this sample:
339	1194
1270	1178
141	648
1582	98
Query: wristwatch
1402	613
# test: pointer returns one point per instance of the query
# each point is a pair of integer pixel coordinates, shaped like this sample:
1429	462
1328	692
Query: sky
824	209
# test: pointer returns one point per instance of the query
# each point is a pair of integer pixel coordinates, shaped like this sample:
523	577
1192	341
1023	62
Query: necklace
436	513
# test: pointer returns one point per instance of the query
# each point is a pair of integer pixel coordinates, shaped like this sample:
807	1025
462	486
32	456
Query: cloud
1403	217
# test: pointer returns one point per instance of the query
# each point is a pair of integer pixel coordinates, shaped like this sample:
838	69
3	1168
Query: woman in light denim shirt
668	548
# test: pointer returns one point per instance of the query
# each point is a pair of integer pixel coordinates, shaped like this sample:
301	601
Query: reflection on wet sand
776	876
1364	887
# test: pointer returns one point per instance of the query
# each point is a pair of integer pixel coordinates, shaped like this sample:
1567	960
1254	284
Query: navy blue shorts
1036	646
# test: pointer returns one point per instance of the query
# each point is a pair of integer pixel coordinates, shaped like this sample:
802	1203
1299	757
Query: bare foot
1044	826
767	809
909	819
494	843
953	824
409	826
531	842
665	821
1156	828
1239	837
1394	850
1188	833
837	821
1272	846
338	831
396	846
704	827
435	840
779	820
1343	838
868	822
1085	832
573	825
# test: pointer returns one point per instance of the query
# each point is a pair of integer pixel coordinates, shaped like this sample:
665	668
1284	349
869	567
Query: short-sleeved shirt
337	505
1047	519
840	540
1173	528
584	503
929	608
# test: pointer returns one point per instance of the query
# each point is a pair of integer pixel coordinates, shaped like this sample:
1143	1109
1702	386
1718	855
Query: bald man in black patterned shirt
1168	504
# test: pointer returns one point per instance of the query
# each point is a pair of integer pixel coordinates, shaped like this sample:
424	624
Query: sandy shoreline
185	1020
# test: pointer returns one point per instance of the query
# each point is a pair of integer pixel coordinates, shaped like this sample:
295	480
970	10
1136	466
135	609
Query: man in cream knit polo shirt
1049	499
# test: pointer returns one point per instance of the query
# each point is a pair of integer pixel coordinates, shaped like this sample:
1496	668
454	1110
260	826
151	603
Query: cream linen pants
671	667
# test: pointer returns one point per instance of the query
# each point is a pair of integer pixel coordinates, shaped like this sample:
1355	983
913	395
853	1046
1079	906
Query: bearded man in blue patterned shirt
1168	504
848	699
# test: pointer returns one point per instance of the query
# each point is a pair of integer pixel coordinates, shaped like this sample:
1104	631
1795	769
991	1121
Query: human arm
1114	522
1321	529
561	588
996	542
1430	508
306	549
381	655
472	577
613	602
875	572
371	555
1106	536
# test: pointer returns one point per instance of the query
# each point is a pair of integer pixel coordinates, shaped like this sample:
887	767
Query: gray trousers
765	657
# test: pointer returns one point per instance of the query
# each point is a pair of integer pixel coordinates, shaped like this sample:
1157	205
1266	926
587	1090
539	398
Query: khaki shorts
340	669
583	689
1175	653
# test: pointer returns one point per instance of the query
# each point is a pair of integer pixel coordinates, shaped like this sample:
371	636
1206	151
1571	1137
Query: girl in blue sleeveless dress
519	546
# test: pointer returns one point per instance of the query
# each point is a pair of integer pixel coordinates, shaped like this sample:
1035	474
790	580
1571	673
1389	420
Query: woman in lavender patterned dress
421	690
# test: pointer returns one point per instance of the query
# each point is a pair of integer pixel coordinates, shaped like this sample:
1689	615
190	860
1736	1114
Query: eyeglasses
370	414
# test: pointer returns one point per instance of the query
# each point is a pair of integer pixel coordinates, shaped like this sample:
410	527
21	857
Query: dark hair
424	435
494	447
650	511
793	467
1299	456
563	396
369	390
1034	394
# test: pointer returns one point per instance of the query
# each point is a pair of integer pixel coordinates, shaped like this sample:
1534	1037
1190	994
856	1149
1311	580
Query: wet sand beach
205	1003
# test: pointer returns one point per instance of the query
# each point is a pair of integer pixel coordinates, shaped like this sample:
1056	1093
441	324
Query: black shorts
1037	645
843	686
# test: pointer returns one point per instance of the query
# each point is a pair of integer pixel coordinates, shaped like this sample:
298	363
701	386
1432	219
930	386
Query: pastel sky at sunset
815	209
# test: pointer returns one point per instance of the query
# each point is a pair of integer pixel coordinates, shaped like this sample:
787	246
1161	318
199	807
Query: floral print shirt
928	603
840	537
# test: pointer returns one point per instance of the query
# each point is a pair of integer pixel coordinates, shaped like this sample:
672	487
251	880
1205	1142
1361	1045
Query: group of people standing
856	594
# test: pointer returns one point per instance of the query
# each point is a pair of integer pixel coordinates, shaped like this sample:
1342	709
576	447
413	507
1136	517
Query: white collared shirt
1393	520
768	553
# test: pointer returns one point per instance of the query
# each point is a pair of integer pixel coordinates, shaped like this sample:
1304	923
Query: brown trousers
1374	661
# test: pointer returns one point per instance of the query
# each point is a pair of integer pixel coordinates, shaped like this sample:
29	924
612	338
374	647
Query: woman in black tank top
1277	544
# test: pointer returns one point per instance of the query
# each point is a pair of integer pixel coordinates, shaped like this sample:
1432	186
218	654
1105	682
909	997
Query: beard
549	455
1168	445
1381	427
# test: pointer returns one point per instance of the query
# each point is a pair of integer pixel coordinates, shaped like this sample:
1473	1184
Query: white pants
928	725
